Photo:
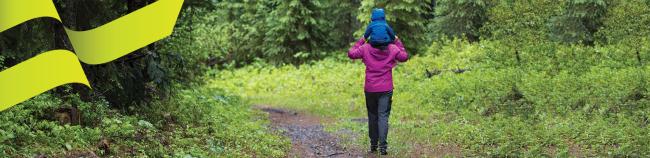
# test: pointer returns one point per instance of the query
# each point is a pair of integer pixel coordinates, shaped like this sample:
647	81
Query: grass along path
467	114
309	138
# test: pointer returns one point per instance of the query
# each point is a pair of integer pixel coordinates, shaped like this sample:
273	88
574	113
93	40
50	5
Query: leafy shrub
519	23
199	122
2	58
580	21
626	23
29	128
193	47
461	18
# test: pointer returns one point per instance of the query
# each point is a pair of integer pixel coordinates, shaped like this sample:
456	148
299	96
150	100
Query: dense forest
486	78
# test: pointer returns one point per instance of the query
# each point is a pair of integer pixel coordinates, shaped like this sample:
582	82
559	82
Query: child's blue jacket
378	30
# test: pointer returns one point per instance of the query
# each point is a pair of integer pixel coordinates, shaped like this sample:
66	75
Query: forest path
308	138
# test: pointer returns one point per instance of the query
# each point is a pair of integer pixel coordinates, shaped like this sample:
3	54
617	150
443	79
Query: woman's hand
397	39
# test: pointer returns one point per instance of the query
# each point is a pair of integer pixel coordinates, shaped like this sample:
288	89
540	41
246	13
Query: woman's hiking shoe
383	152
373	149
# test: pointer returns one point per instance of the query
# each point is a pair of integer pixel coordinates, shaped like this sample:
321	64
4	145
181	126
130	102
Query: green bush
520	23
580	21
30	128
461	18
626	22
198	122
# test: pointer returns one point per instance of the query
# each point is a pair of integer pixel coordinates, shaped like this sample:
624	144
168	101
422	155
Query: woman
378	86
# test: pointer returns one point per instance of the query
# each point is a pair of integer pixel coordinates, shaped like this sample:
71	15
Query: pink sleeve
401	56
356	52
399	44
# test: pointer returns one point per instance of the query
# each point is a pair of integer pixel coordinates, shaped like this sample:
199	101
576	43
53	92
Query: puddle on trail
308	137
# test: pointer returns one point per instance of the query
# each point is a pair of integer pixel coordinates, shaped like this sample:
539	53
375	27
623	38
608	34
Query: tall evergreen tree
461	18
243	28
343	15
285	31
580	21
296	31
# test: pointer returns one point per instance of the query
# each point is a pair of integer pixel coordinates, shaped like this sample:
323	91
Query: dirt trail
307	135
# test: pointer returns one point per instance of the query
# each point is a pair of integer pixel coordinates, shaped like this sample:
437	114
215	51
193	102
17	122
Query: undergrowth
479	99
197	122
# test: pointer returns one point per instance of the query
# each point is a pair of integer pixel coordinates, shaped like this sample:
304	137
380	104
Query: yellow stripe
15	12
96	46
39	74
126	34
109	41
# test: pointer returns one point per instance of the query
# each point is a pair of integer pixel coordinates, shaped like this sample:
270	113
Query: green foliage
626	22
2	58
548	99
343	15
29	128
198	122
519	23
461	18
581	20
548	78
25	41
407	17
284	31
295	31
193	47
242	29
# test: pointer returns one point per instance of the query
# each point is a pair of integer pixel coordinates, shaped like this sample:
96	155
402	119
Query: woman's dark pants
378	105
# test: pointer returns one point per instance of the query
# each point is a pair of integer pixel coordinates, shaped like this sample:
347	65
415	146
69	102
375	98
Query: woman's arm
356	52
398	47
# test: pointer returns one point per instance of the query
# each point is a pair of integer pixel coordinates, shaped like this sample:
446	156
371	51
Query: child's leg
373	131
384	104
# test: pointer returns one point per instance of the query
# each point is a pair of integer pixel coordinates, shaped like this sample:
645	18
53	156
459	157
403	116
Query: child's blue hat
378	14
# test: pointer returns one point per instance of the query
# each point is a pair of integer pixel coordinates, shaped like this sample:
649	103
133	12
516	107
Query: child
378	33
378	86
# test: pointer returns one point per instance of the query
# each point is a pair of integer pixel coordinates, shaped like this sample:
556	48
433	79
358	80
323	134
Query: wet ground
307	135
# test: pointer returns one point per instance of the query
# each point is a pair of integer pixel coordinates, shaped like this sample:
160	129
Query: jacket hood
379	54
378	14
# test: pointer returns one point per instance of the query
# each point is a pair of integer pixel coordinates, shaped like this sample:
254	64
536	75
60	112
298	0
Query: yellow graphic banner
126	34
13	12
39	74
96	46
